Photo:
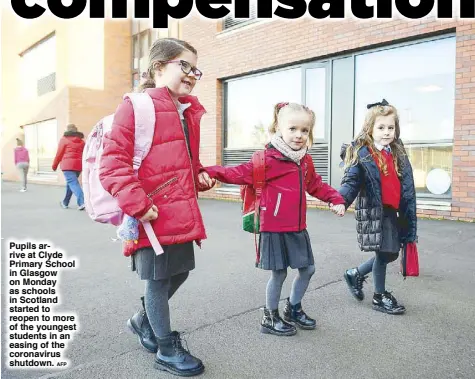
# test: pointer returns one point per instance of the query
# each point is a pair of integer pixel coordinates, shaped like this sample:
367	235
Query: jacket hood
74	134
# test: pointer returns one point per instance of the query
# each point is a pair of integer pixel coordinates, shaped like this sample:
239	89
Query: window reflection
419	80
250	103
432	169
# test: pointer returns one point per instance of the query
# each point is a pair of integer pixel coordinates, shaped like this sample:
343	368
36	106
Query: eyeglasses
187	68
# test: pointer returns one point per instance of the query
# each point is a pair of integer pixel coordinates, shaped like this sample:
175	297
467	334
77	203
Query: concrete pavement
219	305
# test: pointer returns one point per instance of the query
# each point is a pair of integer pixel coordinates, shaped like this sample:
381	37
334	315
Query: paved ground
219	306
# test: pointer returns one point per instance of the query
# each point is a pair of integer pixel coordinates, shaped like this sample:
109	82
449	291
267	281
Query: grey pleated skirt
280	250
390	242
176	259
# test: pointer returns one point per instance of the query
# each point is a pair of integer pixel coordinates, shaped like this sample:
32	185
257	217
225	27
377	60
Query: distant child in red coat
69	155
284	240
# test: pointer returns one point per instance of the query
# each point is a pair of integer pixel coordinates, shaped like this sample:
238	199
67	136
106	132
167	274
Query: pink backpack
101	205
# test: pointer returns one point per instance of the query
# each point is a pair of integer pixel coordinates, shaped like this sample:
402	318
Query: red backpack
251	195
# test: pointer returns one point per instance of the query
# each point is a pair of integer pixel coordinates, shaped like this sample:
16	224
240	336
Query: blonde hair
365	138
283	109
161	51
19	142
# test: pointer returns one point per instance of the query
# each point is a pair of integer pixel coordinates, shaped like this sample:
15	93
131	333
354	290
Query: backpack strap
258	179
144	115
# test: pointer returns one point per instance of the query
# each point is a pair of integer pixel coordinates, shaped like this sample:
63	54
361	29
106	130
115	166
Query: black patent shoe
175	359
272	323
355	283
387	303
295	315
140	326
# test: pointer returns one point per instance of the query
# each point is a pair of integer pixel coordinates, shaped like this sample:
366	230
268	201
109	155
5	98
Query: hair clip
382	103
144	75
281	105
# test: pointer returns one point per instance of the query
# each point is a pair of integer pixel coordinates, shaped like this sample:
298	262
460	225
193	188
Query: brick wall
265	45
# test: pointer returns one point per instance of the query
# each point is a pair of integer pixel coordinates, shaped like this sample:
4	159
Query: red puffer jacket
283	201
69	152
168	177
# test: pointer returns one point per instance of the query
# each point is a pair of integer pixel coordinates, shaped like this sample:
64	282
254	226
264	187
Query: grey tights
157	294
299	286
378	265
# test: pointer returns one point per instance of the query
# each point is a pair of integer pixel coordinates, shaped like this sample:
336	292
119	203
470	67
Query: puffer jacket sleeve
317	188
240	174
59	153
408	197
116	171
351	184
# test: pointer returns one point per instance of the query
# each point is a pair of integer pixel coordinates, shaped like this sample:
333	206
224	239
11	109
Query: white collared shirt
181	109
381	147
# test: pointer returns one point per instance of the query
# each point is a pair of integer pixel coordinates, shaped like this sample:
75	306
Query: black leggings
378	265
157	294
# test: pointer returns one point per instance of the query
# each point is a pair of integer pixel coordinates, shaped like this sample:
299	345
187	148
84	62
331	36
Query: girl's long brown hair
365	138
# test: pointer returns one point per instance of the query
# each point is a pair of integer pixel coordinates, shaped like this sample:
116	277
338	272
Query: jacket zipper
300	202
187	147
162	186
279	197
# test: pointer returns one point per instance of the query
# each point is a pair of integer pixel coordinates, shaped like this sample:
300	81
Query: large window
249	109
141	46
419	80
250	103
41	140
38	69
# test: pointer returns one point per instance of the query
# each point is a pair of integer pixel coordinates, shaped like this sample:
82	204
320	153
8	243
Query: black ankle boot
272	324
140	326
387	303
296	315
355	282
175	359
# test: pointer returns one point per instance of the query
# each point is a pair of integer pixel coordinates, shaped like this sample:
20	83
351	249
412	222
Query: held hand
151	214
205	180
339	209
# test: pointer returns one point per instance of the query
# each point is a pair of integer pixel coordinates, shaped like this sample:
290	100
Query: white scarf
286	150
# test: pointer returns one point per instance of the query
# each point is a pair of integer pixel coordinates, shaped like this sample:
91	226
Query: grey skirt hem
287	249
176	259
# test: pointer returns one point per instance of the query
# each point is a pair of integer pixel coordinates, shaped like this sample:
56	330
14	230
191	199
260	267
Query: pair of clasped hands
339	209
204	180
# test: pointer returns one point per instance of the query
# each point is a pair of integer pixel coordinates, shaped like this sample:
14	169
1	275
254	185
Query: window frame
328	62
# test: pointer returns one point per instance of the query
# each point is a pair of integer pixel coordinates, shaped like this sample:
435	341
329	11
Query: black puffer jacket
363	182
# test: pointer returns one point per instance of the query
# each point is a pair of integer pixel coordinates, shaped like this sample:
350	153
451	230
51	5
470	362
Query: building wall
93	71
264	45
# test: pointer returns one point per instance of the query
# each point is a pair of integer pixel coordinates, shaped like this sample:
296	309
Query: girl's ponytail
148	81
273	126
